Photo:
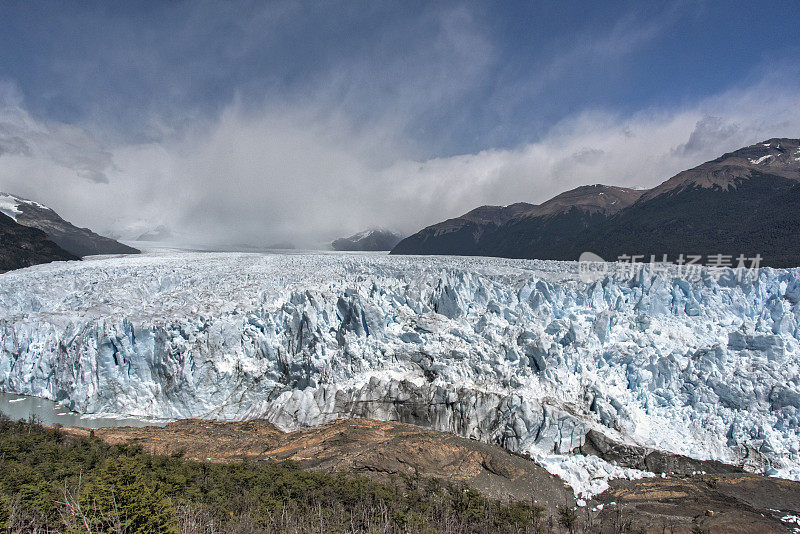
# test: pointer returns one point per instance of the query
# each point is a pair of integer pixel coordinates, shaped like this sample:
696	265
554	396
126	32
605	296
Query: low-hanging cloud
307	176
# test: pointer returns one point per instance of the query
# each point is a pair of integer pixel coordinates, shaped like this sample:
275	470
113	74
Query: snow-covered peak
73	239
373	239
779	155
367	233
10	205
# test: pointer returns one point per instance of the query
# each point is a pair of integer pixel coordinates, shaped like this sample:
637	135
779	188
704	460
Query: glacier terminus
520	353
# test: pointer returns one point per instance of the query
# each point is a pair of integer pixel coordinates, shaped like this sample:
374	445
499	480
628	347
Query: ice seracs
520	353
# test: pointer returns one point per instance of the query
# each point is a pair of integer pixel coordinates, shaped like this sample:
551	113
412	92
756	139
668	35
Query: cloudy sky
234	123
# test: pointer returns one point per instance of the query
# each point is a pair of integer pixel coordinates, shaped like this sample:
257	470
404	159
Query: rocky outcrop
647	459
715	503
377	449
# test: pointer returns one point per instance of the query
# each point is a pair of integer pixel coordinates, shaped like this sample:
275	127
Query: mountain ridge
723	206
371	240
481	229
75	240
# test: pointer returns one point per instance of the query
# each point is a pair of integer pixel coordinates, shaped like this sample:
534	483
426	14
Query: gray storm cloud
356	141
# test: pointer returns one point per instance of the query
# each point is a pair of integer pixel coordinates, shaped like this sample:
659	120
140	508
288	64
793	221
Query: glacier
525	354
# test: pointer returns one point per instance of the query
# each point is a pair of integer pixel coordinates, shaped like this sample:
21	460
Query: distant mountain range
744	202
77	241
369	240
523	230
158	234
281	245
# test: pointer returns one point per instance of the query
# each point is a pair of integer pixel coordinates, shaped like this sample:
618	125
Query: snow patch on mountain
761	159
374	239
367	233
9	205
519	353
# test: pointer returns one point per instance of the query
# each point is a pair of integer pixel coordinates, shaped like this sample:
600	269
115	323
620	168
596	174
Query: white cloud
306	175
28	146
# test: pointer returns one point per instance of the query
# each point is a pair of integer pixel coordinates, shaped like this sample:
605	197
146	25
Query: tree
120	500
567	517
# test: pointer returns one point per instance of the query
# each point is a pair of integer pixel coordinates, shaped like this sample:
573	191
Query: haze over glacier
520	353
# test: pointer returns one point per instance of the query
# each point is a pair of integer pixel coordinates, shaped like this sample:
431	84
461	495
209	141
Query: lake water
51	413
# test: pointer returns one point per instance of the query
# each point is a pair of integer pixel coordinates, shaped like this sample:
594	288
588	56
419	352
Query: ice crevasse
520	353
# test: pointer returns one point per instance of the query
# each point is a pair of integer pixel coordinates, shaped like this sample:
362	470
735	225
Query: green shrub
59	483
122	497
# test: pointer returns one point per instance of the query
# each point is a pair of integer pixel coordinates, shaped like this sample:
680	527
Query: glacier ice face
520	353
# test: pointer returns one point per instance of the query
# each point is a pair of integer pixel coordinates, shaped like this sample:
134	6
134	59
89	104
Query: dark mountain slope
758	215
77	241
744	202
553	237
21	246
523	230
553	229
460	235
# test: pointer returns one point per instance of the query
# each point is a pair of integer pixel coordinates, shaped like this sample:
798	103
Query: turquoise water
51	413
